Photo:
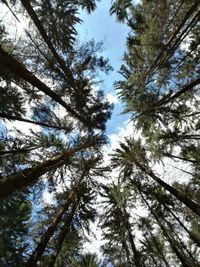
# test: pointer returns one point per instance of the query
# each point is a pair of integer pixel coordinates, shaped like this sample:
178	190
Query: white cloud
14	27
137	2
171	170
95	240
113	99
24	127
47	198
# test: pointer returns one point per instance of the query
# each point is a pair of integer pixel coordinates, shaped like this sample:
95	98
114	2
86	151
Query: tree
176	246
161	80
133	154
116	222
47	80
15	214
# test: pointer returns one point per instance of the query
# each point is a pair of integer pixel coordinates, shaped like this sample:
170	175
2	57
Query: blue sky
103	27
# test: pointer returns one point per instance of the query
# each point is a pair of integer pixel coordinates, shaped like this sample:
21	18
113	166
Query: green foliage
48	80
15	214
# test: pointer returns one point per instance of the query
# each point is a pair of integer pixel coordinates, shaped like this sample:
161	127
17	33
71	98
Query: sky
103	27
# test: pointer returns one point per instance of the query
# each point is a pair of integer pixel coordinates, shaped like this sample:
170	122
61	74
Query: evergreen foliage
48	81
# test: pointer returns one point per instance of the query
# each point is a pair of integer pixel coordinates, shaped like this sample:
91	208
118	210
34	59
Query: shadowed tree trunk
186	88
43	124
179	254
193	237
136	254
17	68
34	17
38	252
158	248
178	194
62	235
21	179
177	157
181	244
174	35
146	244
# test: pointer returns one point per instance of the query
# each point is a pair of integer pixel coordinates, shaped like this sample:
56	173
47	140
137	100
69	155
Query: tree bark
43	124
62	235
177	157
147	245
192	236
172	38
17	151
191	204
18	69
181	245
178	93
158	249
167	236
38	252
40	28
136	254
21	179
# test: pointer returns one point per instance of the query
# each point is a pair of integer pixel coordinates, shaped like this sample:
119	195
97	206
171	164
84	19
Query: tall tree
117	219
133	154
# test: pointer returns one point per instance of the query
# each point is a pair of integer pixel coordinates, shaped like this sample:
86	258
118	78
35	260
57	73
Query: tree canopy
53	116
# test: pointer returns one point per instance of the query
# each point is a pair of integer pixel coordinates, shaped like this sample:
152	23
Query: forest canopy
50	84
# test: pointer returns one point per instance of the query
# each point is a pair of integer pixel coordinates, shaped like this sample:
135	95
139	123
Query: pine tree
15	214
47	80
116	222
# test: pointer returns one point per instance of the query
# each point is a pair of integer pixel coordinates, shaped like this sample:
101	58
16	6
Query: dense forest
48	84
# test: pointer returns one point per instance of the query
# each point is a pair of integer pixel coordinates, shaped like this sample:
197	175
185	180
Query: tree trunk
178	93
40	28
188	27
17	68
178	194
172	38
127	252
17	151
158	249
21	179
167	236
181	245
151	255
62	235
192	236
43	124
38	252
136	254
177	157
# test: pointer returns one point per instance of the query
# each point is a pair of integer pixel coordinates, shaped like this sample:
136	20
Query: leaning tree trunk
192	205
38	252
182	91
40	28
192	236
173	37
158	248
21	179
179	255
11	64
43	124
181	245
177	157
150	255
136	254
62	236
